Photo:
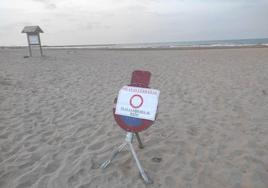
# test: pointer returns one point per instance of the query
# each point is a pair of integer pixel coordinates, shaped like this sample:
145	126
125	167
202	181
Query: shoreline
137	49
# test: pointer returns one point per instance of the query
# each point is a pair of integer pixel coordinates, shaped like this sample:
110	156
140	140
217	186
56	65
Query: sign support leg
128	141
115	153
141	146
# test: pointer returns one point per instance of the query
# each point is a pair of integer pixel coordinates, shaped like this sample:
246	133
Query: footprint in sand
74	179
193	131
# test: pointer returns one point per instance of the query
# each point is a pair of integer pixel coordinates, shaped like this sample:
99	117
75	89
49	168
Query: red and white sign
137	102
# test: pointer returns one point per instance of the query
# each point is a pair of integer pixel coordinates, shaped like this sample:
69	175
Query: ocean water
183	44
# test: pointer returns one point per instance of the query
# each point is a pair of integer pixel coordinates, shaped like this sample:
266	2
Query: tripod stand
128	141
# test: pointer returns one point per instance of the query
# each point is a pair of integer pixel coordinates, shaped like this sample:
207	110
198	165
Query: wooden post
29	45
41	51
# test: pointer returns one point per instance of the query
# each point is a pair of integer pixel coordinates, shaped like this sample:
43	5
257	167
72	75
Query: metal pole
141	146
129	139
115	153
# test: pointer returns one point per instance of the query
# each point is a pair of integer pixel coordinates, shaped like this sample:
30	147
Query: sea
167	45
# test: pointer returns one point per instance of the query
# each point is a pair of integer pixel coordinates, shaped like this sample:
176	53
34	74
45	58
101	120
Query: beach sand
57	124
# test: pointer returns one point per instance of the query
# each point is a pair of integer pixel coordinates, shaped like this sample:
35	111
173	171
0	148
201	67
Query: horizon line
112	44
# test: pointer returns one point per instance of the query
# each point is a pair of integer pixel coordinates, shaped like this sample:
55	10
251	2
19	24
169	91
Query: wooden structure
33	37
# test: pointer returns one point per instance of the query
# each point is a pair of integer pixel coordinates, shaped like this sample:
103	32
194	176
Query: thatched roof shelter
32	29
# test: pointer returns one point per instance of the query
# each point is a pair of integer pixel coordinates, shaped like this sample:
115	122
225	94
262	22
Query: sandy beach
57	126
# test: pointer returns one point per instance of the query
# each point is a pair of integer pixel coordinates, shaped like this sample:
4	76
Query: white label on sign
137	102
33	39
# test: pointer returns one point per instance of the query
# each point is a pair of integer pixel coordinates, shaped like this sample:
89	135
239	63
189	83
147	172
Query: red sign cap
140	78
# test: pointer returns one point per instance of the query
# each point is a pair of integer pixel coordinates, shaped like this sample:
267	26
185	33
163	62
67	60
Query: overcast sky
132	21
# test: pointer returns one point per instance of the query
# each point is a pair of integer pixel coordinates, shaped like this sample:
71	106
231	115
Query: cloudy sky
132	21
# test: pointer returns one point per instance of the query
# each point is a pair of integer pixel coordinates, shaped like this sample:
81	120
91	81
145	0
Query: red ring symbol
132	105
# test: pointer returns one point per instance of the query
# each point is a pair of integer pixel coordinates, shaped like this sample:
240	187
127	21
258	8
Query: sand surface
56	122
